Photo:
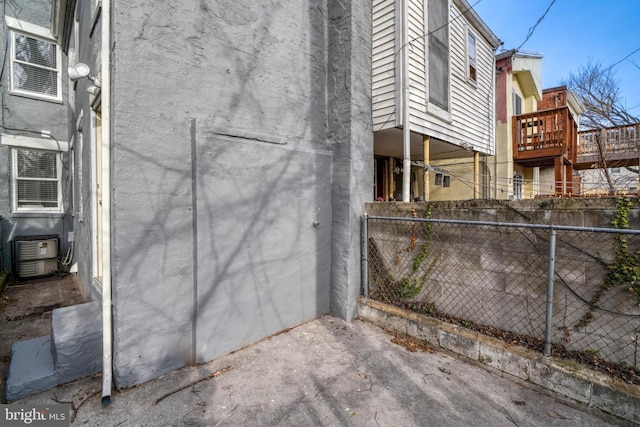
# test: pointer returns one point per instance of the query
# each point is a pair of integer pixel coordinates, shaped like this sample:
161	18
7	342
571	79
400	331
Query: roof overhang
477	22
527	68
576	103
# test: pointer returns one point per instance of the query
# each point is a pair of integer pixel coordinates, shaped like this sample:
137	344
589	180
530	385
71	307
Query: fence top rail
508	224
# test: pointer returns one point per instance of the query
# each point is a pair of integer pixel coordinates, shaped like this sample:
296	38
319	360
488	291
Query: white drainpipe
107	344
406	128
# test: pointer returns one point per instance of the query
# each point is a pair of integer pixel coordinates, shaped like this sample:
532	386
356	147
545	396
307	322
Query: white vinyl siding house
467	118
384	79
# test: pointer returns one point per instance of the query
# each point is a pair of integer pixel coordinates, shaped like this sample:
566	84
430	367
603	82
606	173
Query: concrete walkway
324	373
25	313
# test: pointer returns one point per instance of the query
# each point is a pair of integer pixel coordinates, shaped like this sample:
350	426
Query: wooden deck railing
618	143
544	134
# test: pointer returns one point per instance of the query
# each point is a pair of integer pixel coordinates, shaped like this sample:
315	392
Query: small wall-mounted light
80	71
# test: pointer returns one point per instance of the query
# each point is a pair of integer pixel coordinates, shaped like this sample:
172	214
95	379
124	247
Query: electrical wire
533	29
505	184
620	61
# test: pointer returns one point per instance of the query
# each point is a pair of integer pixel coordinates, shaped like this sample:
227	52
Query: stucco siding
29	116
241	161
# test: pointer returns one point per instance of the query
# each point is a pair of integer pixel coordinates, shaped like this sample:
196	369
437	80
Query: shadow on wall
223	222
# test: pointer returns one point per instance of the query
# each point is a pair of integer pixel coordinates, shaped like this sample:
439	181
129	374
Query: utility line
533	29
626	57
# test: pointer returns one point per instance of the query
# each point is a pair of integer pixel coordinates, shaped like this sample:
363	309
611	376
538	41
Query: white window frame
516	100
15	179
40	33
472	60
443	113
518	186
16	142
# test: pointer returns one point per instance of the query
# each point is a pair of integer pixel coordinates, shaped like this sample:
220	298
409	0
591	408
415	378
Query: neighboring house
616	148
221	162
536	131
433	99
34	143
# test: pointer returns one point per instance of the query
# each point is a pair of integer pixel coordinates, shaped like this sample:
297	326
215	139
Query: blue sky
573	33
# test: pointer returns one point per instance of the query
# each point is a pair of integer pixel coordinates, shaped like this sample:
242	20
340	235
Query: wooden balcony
541	137
547	138
620	147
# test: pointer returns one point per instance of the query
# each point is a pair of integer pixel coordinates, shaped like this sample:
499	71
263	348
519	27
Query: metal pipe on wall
406	128
107	344
551	269
365	256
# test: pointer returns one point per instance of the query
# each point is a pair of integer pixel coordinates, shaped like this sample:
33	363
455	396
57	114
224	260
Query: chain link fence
566	291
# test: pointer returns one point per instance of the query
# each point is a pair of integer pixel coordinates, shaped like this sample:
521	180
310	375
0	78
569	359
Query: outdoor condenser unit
36	257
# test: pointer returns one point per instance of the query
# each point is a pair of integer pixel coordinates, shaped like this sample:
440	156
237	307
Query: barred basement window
36	180
35	66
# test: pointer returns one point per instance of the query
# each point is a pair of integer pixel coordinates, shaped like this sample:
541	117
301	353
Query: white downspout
107	344
406	128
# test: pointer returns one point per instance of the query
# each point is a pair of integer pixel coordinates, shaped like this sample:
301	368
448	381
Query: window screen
438	53
35	65
517	186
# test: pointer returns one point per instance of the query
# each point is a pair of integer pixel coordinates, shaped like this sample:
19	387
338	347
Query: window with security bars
36	176
35	67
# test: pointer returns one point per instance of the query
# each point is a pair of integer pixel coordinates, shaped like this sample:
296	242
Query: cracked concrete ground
326	372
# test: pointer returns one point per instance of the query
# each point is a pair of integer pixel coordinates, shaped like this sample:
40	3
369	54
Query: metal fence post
550	277
365	257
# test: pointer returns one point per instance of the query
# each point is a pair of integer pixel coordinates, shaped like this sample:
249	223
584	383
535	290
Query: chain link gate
567	291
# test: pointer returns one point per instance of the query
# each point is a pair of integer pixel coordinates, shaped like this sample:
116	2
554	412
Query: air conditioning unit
36	257
43	267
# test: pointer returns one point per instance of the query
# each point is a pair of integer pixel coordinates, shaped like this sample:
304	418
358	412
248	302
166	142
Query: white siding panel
384	51
382	8
384	118
385	35
383	82
417	58
472	112
384	76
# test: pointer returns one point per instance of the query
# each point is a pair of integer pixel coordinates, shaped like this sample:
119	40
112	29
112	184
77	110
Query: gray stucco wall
82	126
351	139
24	116
237	126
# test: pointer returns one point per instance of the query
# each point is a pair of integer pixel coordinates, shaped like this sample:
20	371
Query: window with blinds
36	180
35	67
